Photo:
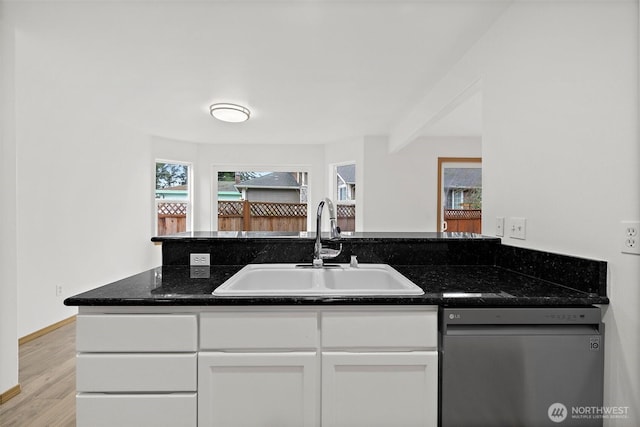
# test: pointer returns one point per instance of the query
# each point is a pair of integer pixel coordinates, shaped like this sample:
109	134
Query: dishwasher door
539	367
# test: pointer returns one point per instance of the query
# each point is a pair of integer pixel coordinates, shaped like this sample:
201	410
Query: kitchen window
460	194
173	197
345	196
262	200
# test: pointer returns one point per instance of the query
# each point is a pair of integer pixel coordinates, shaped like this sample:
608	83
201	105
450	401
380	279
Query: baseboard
12	392
45	331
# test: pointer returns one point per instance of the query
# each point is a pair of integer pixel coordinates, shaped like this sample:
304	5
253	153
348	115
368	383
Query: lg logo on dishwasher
557	412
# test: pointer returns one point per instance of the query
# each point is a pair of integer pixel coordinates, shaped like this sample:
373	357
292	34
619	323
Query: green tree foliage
474	198
171	175
231	176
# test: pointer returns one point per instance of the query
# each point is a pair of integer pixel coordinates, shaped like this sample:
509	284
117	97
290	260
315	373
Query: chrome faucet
320	252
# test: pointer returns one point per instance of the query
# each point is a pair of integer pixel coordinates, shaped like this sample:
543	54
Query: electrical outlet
199	259
58	290
500	226
199	272
518	228
630	237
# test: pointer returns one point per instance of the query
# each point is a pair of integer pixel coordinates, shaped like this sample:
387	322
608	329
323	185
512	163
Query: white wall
8	236
401	188
77	195
84	194
560	147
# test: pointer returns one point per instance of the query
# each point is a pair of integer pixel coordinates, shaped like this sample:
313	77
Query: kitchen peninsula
158	344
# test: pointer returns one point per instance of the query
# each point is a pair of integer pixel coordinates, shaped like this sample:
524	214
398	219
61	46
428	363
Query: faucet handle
335	230
354	261
330	252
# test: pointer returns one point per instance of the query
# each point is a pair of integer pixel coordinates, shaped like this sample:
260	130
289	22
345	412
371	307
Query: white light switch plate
500	226
518	228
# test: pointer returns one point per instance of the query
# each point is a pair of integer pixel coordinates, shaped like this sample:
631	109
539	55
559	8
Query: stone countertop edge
171	286
199	236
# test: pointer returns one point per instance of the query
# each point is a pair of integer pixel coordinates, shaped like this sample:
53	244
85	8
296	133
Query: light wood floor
48	380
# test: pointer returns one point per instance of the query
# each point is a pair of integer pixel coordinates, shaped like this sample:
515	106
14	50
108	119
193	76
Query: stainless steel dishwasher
521	367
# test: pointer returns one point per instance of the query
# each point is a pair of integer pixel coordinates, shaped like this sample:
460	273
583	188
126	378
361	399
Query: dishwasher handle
511	330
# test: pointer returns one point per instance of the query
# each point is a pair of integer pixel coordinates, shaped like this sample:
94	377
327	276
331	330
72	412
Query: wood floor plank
47	379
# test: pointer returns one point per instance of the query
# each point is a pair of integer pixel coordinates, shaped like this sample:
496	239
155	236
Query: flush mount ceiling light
229	112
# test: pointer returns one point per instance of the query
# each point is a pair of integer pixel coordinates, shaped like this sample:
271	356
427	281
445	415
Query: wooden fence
463	220
172	217
250	216
346	216
261	216
272	216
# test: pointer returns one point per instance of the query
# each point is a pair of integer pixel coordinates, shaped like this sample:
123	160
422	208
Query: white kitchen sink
335	280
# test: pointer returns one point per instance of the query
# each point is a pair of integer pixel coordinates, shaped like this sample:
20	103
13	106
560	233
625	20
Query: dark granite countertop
444	285
461	269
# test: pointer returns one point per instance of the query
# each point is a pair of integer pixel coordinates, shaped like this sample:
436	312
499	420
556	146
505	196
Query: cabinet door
379	389
258	389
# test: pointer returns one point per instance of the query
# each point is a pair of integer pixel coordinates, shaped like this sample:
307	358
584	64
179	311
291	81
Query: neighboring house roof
175	188
271	180
463	178
347	173
179	192
227	186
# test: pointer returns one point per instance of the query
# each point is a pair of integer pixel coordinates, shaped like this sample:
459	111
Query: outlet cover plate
199	260
630	237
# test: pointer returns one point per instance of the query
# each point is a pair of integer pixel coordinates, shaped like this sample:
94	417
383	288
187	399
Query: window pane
262	201
172	197
346	196
461	191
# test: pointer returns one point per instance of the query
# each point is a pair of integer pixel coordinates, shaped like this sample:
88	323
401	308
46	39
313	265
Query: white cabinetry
319	367
258	369
136	370
314	366
379	368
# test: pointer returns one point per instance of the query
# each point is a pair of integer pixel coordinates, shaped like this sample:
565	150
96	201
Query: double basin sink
331	280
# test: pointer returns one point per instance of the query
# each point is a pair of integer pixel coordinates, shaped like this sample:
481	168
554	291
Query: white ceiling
309	71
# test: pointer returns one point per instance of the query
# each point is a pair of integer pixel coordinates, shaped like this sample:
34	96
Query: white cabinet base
284	366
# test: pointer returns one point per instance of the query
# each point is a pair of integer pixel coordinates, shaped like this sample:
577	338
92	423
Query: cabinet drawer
380	329
136	372
136	332
135	410
258	330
